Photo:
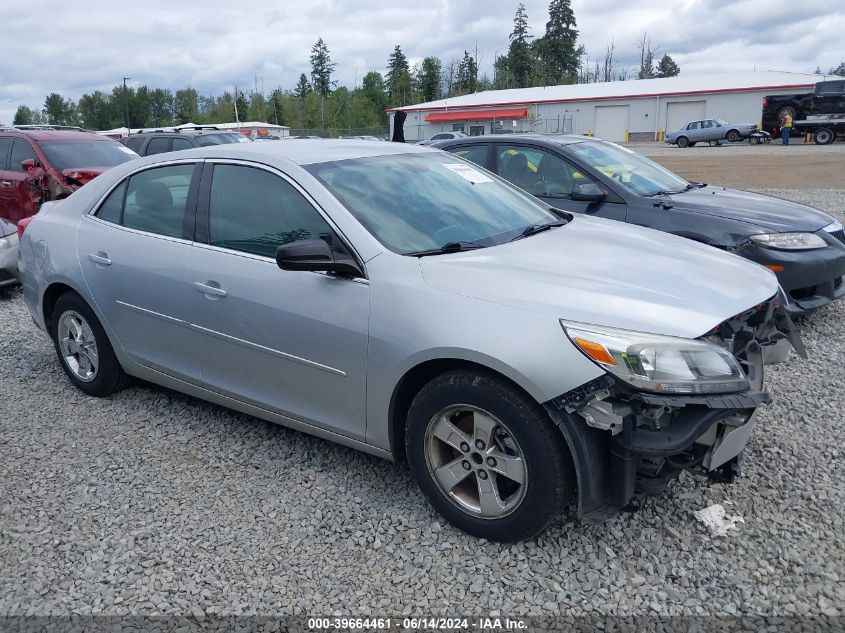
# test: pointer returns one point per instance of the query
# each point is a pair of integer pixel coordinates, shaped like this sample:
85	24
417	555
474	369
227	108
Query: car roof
536	139
305	151
57	135
183	132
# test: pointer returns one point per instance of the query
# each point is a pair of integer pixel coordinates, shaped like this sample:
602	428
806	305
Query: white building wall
645	114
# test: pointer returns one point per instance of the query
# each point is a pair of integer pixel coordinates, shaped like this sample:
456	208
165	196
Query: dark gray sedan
805	247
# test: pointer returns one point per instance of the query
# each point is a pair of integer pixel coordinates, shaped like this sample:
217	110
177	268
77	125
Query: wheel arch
416	378
49	298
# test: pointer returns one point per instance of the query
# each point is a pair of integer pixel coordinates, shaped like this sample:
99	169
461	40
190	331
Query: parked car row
162	141
495	316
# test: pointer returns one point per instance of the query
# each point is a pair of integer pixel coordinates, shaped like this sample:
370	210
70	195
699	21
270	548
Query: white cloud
78	47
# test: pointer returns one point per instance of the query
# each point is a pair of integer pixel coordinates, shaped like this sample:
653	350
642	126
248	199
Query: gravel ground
154	502
799	166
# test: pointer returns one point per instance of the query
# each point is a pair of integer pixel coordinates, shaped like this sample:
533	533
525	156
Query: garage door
611	122
679	113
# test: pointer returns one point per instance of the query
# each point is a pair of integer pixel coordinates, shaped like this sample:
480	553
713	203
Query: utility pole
126	102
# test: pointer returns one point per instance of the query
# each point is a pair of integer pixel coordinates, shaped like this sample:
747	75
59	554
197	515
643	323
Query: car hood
766	212
608	273
83	175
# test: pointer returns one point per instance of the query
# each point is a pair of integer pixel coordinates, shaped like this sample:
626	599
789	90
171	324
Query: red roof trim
463	115
631	96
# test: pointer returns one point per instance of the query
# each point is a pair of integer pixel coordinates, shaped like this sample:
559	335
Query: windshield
419	202
634	172
720	122
80	153
205	140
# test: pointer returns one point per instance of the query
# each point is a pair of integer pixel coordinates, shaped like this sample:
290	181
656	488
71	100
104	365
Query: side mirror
30	163
313	255
588	192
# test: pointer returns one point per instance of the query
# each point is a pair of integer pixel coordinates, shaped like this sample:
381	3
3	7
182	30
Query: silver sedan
8	253
404	302
713	130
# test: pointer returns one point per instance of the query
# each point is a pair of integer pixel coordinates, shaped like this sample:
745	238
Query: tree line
318	102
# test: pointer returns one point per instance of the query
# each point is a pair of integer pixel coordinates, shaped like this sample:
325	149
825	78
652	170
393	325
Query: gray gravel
154	502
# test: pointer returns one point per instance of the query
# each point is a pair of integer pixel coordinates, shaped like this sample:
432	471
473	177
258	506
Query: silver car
710	130
404	302
8	253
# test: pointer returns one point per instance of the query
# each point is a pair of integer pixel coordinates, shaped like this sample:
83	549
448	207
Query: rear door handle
7	183
100	258
208	289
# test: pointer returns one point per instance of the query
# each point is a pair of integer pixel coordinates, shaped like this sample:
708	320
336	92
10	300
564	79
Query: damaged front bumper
627	444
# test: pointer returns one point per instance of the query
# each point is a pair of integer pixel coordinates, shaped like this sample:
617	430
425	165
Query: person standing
786	127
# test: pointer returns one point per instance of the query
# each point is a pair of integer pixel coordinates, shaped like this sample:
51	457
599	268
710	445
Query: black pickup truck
827	98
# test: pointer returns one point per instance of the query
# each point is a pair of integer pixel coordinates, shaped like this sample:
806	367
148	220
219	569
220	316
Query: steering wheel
617	176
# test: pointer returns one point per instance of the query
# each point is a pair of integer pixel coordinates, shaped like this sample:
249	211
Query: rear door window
134	143
181	143
112	208
21	151
156	200
158	145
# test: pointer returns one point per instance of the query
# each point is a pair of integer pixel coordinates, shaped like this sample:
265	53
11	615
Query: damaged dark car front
666	405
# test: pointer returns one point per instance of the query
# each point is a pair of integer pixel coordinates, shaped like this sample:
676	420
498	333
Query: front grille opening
803	293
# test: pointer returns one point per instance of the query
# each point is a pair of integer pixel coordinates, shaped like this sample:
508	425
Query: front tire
682	141
733	136
84	350
487	456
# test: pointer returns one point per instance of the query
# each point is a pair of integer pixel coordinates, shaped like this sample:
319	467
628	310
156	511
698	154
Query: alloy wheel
475	461
78	345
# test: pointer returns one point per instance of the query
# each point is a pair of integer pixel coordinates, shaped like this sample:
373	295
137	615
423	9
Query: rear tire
824	136
85	352
682	141
487	456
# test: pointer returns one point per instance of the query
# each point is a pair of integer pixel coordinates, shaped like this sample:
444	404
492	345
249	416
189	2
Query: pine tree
321	68
667	67
302	87
466	80
428	79
558	52
521	61
398	78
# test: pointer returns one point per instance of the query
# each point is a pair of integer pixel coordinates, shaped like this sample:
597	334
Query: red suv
42	163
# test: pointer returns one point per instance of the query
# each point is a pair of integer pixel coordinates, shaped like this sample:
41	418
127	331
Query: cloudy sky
85	45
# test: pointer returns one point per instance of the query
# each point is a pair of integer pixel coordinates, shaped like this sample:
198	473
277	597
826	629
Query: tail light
22	224
765	102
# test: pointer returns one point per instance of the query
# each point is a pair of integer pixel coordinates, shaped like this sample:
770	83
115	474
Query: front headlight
652	362
789	241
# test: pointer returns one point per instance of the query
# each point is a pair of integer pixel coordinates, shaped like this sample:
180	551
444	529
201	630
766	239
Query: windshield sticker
468	173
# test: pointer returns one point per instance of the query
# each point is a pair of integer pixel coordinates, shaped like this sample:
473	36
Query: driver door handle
7	183
208	289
